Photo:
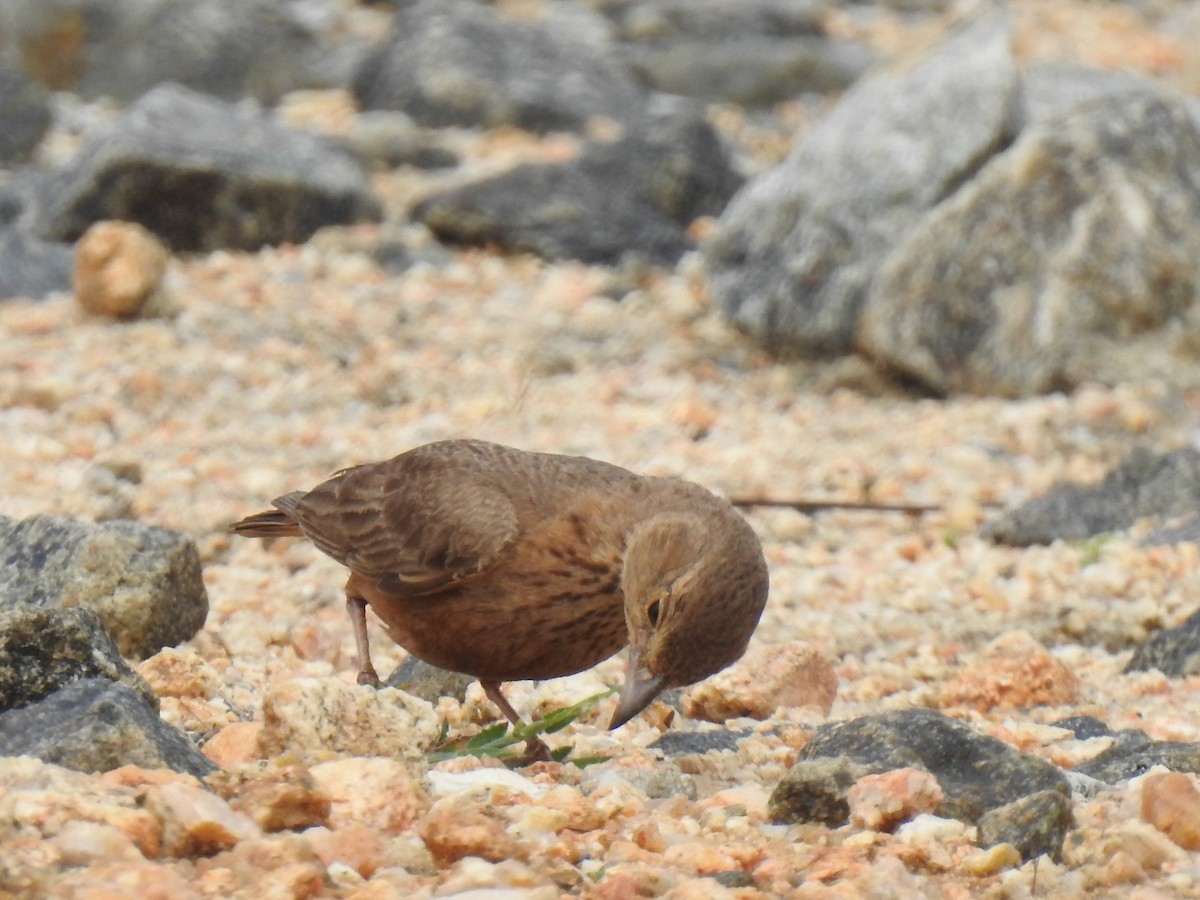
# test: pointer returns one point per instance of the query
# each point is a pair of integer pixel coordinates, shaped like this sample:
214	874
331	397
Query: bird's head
695	585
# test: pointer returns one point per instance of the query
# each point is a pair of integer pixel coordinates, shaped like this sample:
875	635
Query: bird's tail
273	523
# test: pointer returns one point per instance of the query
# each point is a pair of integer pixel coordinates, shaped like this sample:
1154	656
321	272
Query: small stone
992	860
279	865
881	802
322	717
1017	672
195	821
235	744
85	843
688	743
815	790
1036	825
765	680
119	269
378	792
443	783
277	796
1171	803
420	679
177	672
1135	754
452	831
355	844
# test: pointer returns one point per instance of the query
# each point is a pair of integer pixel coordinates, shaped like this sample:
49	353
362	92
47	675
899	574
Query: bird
511	565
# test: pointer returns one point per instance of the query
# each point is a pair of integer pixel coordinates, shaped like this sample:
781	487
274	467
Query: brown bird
509	565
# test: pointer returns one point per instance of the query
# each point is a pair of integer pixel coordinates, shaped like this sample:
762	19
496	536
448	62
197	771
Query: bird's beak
641	687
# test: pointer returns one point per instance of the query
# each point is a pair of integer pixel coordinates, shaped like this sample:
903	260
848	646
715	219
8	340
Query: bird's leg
357	607
535	749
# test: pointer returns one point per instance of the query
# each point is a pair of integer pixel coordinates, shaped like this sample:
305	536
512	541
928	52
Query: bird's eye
652	611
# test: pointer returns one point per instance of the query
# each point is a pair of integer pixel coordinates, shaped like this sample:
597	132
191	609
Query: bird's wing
412	524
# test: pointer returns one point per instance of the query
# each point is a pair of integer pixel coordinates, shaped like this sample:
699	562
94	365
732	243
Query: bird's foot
370	677
535	751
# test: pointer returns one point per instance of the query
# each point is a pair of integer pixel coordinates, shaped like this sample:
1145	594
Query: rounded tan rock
1171	803
119	268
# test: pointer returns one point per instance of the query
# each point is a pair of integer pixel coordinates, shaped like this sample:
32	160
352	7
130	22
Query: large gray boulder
796	253
1072	257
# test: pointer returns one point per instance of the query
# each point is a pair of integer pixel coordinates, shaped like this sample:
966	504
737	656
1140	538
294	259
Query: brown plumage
510	565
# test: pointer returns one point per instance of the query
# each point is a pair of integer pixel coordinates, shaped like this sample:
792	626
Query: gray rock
143	581
750	71
1051	89
1036	825
1144	484
797	251
122	48
392	139
754	52
419	678
456	62
31	268
633	197
24	116
44	650
205	175
1071	257
649	20
814	790
976	772
733	879
1084	727
1173	651
688	743
1085	788
1132	755
96	725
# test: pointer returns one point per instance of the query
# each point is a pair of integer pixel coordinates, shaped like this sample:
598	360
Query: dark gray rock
814	790
1084	727
755	52
797	251
1134	754
143	581
392	139
123	48
419	678
24	116
205	175
1070	258
1173	651
1144	484
31	268
456	62
1036	825
44	650
648	20
733	879
750	71
96	725
976	772
688	743
633	197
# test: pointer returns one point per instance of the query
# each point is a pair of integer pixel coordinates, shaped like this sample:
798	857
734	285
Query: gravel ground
272	370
